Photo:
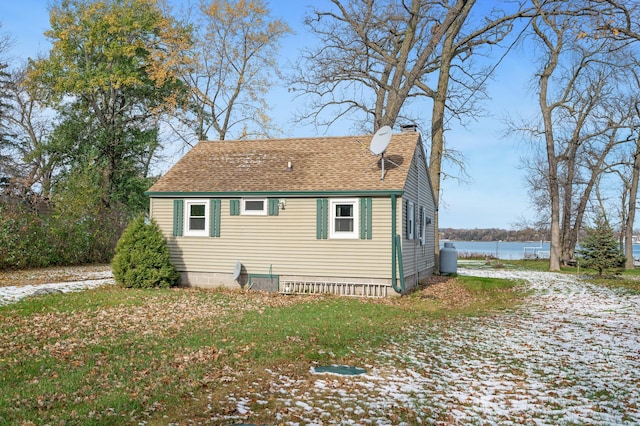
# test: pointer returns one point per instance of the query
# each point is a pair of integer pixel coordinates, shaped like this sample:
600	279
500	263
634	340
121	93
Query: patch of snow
243	406
304	406
12	294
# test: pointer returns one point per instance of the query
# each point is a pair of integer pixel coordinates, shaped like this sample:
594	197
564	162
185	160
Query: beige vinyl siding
283	245
416	257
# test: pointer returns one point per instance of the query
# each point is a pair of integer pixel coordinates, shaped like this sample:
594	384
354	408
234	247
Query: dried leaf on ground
448	291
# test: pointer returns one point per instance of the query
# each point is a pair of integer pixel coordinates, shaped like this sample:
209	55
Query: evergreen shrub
142	257
600	250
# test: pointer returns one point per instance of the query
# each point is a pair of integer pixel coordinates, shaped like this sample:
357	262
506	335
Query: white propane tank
448	259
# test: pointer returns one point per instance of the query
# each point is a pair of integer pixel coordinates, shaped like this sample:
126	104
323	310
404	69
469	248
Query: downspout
400	263
393	242
395	250
415	250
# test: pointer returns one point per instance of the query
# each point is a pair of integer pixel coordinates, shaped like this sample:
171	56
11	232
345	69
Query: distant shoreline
488	235
509	250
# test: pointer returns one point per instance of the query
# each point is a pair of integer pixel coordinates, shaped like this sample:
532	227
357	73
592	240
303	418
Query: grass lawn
122	356
629	280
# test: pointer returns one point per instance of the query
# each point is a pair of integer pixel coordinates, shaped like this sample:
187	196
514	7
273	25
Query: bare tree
577	93
622	22
616	18
230	68
375	57
32	165
458	44
26	170
5	43
591	131
631	205
372	57
602	132
628	171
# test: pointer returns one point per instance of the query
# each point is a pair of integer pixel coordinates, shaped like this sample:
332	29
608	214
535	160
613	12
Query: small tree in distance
142	257
599	250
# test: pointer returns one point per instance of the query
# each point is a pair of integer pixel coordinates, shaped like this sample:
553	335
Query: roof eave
301	194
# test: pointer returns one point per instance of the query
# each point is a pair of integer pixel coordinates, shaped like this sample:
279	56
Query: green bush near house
142	257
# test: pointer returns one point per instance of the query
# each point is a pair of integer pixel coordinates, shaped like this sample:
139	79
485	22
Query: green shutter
365	218
369	218
214	217
273	207
322	218
234	207
178	211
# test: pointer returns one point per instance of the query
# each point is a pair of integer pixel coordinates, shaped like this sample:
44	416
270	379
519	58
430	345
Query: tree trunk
555	252
631	215
437	143
567	209
552	160
555	249
437	116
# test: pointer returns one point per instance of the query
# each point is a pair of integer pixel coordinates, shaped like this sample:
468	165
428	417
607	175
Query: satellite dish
237	270
380	140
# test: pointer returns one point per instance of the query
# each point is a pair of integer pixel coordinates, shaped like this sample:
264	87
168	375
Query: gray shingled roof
318	164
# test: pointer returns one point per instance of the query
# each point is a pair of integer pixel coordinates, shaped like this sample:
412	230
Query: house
301	215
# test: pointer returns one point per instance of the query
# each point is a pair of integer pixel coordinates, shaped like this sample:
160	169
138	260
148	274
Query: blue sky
493	197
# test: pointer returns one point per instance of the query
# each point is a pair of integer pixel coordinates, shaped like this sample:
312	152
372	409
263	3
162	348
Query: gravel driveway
569	355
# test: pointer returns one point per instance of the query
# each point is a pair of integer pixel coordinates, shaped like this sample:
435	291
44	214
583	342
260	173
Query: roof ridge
290	138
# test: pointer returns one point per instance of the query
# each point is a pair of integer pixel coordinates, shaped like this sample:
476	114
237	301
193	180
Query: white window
344	218
196	218
255	206
411	219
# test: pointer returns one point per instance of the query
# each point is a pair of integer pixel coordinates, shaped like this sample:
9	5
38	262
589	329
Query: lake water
510	250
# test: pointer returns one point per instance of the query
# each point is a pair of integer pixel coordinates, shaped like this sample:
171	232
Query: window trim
245	212
355	233
188	232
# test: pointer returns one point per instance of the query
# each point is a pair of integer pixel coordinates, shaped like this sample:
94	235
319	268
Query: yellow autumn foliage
108	45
